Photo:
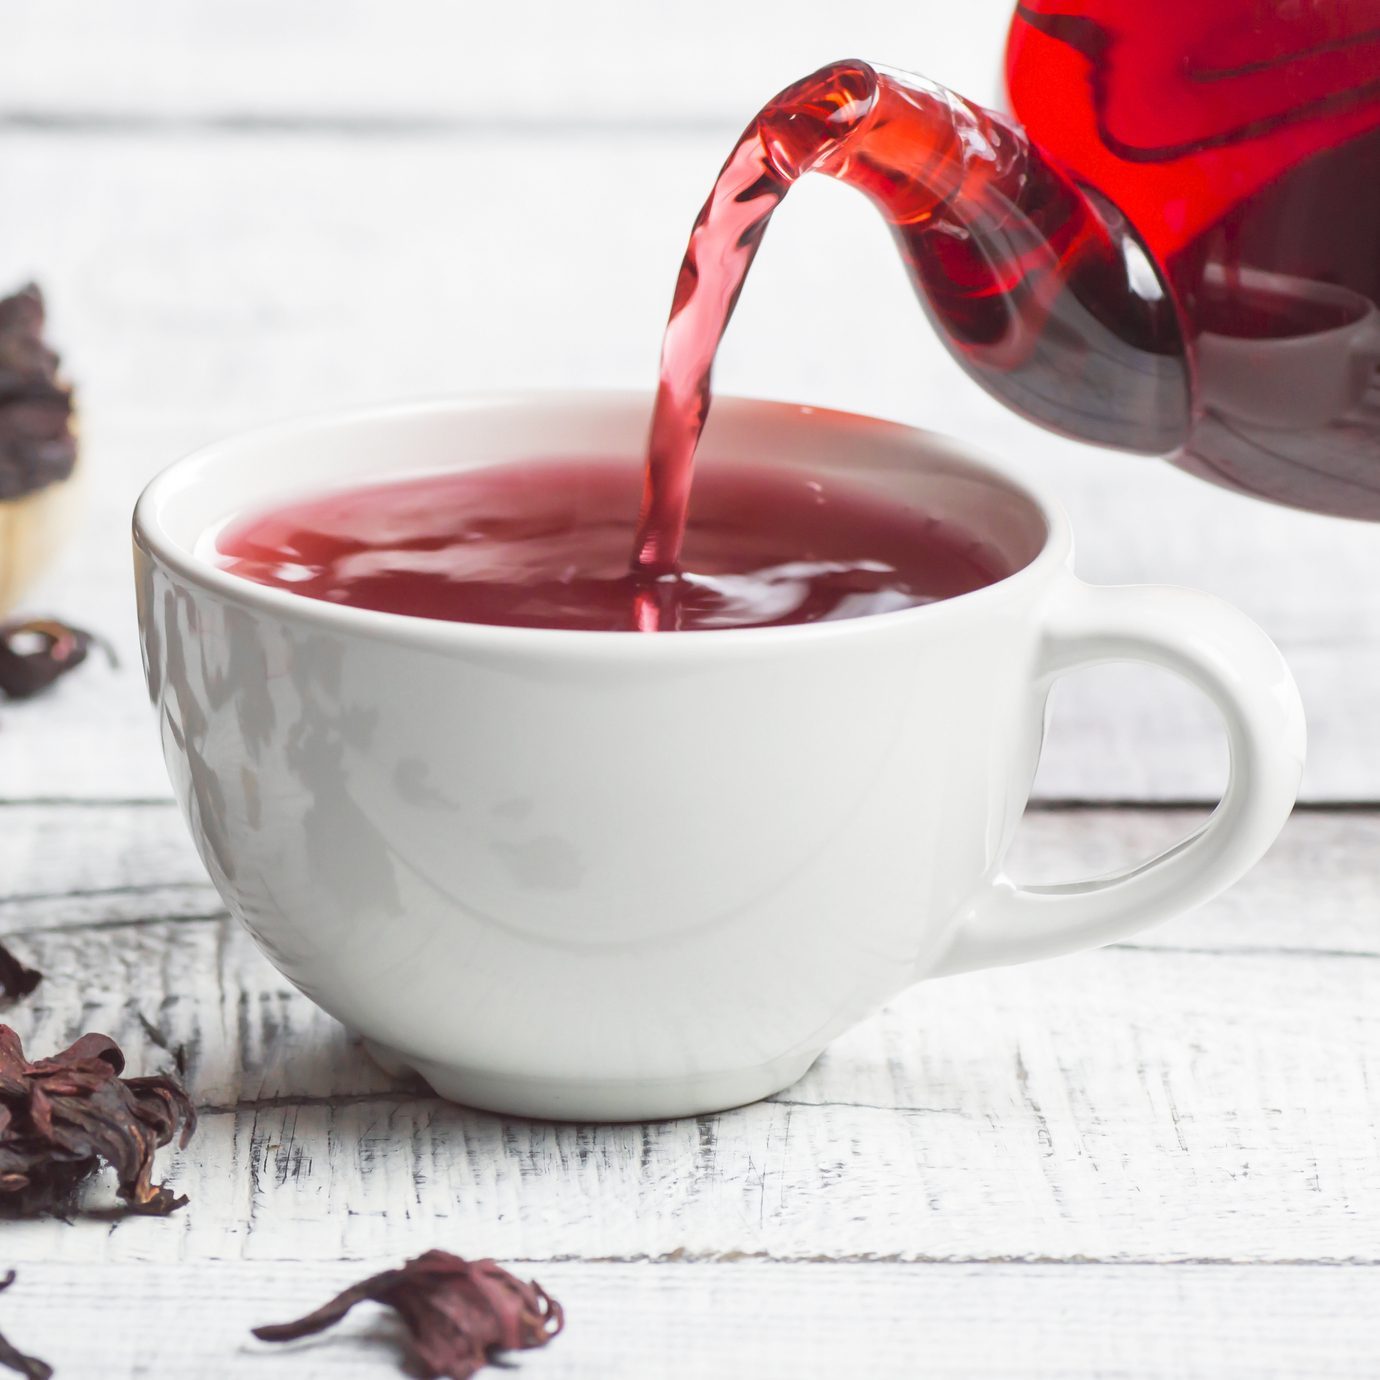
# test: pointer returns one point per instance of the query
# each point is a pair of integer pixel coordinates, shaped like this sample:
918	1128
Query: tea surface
544	544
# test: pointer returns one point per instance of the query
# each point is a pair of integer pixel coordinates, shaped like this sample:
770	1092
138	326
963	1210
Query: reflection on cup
1283	352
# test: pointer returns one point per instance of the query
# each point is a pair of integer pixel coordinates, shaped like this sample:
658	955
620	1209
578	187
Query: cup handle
1218	649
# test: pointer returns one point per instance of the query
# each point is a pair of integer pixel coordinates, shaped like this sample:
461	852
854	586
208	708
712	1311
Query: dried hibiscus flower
34	654
16	979
459	1313
60	1117
28	1366
38	445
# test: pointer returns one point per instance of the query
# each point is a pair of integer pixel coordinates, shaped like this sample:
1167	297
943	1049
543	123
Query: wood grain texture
203	285
770	1322
1206	1093
1134	1111
68	867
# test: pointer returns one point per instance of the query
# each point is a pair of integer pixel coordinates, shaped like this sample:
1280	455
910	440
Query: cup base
596	1099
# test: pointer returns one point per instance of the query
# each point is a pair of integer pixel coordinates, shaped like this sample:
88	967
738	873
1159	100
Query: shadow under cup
580	874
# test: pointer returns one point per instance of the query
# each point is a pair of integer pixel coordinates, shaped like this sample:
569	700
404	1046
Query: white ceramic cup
618	875
1290	382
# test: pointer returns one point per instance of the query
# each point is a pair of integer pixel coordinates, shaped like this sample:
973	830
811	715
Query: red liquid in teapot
1179	254
544	544
1243	142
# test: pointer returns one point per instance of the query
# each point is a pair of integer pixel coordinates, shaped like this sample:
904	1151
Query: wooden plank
1133	1108
518	63
773	1322
68	867
1314	891
1173	1099
200	286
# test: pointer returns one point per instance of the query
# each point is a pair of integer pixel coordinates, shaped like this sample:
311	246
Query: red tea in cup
544	544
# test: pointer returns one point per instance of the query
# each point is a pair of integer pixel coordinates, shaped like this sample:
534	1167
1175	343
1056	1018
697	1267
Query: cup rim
150	534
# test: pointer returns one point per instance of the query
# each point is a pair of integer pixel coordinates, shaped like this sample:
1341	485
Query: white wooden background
1159	1160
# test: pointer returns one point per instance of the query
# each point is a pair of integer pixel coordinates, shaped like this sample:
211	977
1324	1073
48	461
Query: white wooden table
1158	1160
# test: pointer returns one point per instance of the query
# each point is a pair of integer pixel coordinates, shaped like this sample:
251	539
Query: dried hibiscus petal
61	1117
16	979
28	1366
459	1314
34	654
38	445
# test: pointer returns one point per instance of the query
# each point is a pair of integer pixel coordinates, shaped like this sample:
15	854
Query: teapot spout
1041	291
1039	288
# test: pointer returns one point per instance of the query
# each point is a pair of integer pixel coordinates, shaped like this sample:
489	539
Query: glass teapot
1177	250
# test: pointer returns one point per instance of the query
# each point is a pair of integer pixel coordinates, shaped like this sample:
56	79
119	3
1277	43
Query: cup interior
183	509
1255	305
